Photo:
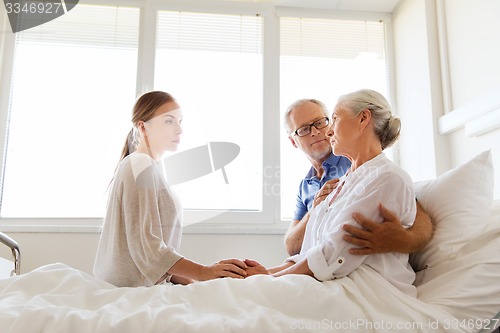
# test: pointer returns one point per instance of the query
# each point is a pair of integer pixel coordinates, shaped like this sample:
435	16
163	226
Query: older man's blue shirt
334	167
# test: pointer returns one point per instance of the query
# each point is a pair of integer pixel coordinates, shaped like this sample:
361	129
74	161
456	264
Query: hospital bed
10	267
458	285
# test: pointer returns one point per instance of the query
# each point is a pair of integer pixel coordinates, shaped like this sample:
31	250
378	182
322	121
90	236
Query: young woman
142	230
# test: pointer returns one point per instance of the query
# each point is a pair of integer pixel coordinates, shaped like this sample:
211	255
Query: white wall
473	36
78	249
471	52
419	97
37	249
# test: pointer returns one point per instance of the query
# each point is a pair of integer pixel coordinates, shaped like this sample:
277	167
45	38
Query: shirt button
340	261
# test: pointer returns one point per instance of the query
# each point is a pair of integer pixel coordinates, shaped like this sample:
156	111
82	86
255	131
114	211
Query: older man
306	122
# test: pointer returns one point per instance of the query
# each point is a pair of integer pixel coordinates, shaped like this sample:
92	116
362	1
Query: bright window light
212	64
73	89
70	105
323	59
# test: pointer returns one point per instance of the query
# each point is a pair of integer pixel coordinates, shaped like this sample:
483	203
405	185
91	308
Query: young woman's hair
387	127
296	104
144	109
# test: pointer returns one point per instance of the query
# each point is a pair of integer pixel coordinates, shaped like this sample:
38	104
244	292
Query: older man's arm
295	235
389	236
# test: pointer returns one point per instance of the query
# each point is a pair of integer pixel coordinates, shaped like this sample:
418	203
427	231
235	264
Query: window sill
478	117
68	226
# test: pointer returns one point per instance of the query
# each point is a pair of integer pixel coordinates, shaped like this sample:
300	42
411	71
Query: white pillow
458	202
494	217
467	287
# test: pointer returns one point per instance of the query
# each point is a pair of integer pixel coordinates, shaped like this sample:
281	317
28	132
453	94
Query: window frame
267	221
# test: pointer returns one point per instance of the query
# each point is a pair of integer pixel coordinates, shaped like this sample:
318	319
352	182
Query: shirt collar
330	161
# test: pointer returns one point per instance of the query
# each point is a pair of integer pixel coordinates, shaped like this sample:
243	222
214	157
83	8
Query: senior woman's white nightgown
377	181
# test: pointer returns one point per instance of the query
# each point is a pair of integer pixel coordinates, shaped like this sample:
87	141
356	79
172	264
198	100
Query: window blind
215	32
76	73
213	65
323	59
327	38
97	26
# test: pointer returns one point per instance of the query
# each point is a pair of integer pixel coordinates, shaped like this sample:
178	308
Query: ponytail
129	146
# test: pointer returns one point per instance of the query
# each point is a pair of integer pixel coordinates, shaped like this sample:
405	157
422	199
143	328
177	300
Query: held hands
327	188
234	268
254	268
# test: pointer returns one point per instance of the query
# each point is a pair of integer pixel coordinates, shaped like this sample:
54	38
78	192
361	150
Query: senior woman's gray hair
296	104
387	126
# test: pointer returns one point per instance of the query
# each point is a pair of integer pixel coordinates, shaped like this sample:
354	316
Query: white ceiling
386	6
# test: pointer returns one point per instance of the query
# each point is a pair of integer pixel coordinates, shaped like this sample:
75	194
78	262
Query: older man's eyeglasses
306	129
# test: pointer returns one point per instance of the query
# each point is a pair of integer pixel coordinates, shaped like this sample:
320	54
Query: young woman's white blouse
376	181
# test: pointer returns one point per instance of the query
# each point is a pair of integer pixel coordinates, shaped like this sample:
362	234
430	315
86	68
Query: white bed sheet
459	295
58	298
6	267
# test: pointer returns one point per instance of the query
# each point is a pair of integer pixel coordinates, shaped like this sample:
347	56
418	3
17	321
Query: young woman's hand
255	268
233	268
175	279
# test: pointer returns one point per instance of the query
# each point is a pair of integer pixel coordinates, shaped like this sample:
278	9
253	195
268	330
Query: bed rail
16	253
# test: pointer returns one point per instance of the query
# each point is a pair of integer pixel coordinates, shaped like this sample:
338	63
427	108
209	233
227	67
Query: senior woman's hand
254	268
326	189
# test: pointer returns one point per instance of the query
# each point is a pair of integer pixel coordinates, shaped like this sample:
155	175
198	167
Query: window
69	107
212	64
322	59
72	89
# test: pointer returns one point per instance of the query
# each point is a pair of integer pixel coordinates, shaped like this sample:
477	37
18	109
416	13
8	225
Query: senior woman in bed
363	126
